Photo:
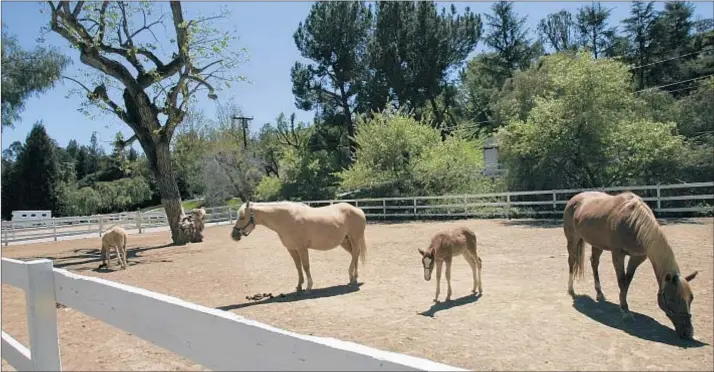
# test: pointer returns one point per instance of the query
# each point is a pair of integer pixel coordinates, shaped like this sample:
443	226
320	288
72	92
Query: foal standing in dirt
445	246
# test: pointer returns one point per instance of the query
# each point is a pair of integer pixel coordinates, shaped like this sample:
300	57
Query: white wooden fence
665	200
216	339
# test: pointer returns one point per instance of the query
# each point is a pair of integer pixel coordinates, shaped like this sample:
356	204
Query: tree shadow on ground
642	326
444	305
554	223
92	255
682	221
332	291
540	223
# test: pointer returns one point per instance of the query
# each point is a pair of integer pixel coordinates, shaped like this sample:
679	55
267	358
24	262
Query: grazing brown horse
443	248
301	227
624	225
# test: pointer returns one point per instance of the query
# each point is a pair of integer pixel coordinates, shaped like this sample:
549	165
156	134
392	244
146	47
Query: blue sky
265	29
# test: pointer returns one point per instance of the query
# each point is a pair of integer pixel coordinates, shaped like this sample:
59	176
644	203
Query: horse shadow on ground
92	255
336	290
445	305
642	326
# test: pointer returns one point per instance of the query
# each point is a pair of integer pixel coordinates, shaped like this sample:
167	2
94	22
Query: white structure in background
34	218
490	156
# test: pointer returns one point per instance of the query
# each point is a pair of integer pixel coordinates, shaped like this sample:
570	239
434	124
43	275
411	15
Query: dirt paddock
524	321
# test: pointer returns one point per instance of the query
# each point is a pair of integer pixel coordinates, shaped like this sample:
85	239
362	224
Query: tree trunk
159	157
350	125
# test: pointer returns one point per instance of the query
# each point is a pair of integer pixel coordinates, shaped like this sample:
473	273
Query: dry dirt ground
524	321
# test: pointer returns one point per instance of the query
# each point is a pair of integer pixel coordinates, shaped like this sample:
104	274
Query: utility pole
244	123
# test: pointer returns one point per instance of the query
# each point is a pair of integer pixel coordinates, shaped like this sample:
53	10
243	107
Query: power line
478	124
675	83
671	59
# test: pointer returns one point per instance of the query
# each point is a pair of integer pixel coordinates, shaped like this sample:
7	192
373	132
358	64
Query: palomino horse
115	237
624	225
443	248
301	227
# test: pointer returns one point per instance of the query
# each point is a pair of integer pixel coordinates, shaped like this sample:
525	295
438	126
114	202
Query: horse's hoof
571	292
600	297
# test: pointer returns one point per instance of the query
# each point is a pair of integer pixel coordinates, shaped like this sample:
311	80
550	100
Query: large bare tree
130	77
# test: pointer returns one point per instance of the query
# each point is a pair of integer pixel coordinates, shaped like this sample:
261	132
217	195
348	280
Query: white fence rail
665	200
216	339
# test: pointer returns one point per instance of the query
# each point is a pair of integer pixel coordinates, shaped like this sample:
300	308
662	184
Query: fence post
466	207
54	228
101	225
5	233
384	208
415	206
230	215
555	199
42	316
138	220
659	195
508	206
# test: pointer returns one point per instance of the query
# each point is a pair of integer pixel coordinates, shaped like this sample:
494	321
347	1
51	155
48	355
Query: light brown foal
443	248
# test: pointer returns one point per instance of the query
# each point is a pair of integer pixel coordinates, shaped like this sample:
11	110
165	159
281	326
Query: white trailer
32	218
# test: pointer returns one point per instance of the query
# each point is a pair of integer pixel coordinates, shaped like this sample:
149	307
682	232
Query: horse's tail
579	266
363	250
575	242
472	243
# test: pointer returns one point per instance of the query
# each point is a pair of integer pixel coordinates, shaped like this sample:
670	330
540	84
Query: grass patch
191	204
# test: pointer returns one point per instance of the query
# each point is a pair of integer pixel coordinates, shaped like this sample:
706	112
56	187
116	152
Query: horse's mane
647	232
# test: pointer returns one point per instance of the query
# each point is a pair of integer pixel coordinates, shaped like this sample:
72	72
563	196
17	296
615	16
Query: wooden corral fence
689	199
665	200
216	339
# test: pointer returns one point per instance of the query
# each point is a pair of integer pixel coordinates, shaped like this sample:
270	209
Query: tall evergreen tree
672	35
36	178
559	31
334	37
415	48
638	28
595	33
508	37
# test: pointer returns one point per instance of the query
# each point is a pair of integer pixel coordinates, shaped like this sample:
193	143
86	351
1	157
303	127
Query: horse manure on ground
260	296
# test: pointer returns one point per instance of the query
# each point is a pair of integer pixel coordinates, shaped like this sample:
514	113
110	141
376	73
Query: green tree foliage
26	73
399	155
584	132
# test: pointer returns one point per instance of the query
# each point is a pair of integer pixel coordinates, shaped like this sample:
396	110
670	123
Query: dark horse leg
625	278
595	263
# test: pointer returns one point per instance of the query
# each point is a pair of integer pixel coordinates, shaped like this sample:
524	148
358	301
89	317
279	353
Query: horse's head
427	261
675	299
245	223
